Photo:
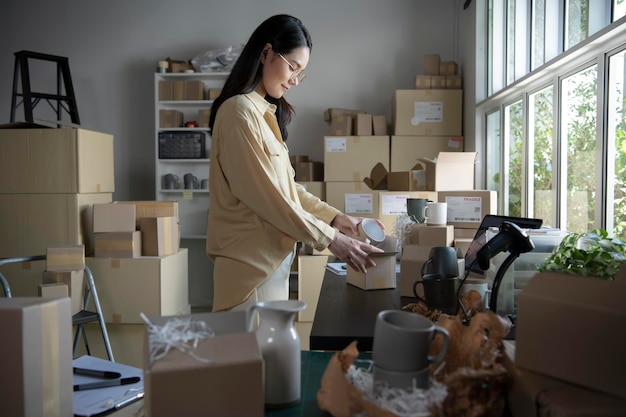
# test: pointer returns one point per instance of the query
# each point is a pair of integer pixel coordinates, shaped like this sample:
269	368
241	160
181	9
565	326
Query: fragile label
336	144
427	111
465	209
394	204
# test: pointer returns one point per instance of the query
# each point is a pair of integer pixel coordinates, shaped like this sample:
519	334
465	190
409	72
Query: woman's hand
353	252
349	225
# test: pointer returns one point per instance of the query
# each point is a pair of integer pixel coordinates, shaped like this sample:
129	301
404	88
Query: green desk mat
313	366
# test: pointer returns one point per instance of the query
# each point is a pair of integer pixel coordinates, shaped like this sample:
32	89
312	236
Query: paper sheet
98	401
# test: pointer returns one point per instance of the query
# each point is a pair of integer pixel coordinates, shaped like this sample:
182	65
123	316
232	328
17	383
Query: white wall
363	50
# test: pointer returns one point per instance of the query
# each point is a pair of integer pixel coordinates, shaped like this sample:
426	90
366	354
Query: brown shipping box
117	244
362	124
406	151
83	161
354	198
65	258
382	276
75	282
351	158
434	112
114	218
170	118
341	126
36	357
160	236
466	209
571	328
150	208
451	171
31	223
379	125
431	64
188	385
152	285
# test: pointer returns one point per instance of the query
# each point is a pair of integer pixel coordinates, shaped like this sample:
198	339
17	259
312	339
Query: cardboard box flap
450	158
378	177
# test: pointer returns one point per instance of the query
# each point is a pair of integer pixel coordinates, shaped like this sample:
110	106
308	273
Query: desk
313	367
346	313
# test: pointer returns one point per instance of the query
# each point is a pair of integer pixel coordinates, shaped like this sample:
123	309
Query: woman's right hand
353	252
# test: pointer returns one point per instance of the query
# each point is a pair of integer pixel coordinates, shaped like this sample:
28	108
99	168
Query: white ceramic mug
402	341
370	231
436	214
479	285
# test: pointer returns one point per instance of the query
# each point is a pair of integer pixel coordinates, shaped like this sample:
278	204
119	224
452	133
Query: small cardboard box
571	328
170	118
65	258
431	64
66	160
448	68
383	275
166	90
150	208
438	82
114	218
362	124
204	115
351	158
152	285
434	112
454	81
36	357
422	82
466	209
73	280
194	90
422	234
331	113
379	125
451	171
160	236
310	171
117	244
341	126
183	384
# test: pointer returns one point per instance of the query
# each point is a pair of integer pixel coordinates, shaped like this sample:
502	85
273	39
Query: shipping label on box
434	112
466	209
347	196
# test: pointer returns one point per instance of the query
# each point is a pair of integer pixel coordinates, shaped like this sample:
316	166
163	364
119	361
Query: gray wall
363	51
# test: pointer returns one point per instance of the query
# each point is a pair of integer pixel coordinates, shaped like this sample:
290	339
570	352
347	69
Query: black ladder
30	98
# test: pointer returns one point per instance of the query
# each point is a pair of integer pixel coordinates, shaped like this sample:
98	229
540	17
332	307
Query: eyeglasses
299	76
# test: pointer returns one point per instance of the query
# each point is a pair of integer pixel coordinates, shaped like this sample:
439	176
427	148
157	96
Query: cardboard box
454	82
422	82
438	82
568	327
214	93
448	68
36	357
331	113
383	275
379	125
422	234
342	126
182	384
151	208
73	280
362	125
204	115
310	171
66	160
166	90
413	180
170	118
152	285
431	64
354	198
117	244
31	223
451	171
114	218
194	90
428	112
65	258
466	209
179	90
160	236
311	270
406	151
317	188
351	158
462	244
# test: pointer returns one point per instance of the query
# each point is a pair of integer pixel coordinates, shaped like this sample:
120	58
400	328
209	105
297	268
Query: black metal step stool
79	319
30	99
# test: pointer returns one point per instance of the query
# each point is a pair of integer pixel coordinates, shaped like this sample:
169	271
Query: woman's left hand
349	225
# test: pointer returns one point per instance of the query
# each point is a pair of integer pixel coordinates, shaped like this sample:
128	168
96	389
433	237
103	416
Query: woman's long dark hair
285	33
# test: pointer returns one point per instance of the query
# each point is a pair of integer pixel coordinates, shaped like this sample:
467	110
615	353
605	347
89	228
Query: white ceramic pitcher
280	345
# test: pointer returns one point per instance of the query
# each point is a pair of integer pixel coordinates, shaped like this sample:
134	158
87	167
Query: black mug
439	292
441	260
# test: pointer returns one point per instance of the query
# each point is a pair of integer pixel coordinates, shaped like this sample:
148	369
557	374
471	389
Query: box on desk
570	327
36	357
383	275
130	286
211	378
83	160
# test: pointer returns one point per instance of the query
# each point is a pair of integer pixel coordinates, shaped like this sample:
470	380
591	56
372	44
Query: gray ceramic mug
415	208
402	341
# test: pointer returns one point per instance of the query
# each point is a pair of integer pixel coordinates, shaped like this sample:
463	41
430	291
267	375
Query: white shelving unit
193	203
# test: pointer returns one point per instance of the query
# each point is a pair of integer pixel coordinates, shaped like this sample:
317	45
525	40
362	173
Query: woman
257	211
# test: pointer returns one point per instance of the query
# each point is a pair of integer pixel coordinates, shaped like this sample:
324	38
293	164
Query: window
554	112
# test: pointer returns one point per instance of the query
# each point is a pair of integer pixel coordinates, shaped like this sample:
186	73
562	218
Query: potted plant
592	254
